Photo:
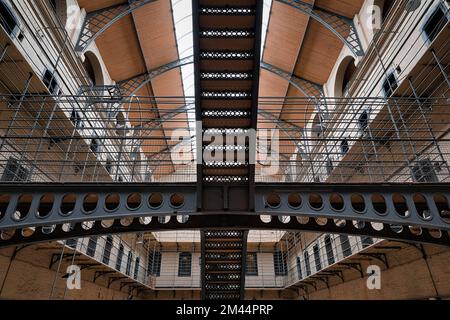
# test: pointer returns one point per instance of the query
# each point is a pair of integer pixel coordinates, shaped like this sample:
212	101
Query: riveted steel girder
423	206
97	22
24	205
341	26
216	222
410	220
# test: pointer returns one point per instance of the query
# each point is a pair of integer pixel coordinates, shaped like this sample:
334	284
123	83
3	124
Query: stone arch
93	68
344	74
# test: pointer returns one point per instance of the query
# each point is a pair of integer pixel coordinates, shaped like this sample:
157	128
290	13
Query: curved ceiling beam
307	88
97	22
132	85
341	26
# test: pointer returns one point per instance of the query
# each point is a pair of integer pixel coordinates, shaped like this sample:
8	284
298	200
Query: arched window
307	265
93	69
329	249
344	76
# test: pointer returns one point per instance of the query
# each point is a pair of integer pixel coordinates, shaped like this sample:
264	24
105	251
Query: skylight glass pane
182	17
266	16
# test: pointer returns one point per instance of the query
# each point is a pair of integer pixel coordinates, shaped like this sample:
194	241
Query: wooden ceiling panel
285	35
154	25
120	50
320	51
272	86
347	8
170	84
90	5
297	115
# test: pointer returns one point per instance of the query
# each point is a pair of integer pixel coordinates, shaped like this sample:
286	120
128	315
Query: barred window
345	244
299	268
317	257
185	264
329	250
435	23
424	171
390	85
280	263
119	258
154	264
14	171
129	261
252	264
107	249
366	241
7	19
136	268
92	246
307	264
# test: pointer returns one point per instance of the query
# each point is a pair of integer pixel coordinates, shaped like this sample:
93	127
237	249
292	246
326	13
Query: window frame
386	80
187	273
14	32
280	263
428	19
253	272
106	257
91	248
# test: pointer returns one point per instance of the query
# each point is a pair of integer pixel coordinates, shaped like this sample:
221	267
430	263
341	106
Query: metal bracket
125	283
114	279
310	283
97	22
99	274
337	273
341	26
379	256
57	256
355	266
322	279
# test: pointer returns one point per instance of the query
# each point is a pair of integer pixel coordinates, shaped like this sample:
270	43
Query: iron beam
98	21
341	26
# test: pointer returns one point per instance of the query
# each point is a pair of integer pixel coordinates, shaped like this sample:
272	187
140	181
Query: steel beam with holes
98	21
419	205
30	205
217	222
130	86
341	26
425	208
